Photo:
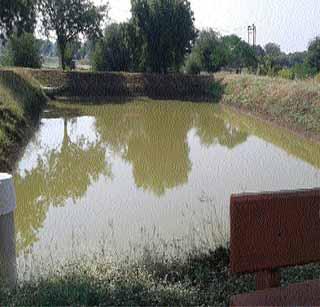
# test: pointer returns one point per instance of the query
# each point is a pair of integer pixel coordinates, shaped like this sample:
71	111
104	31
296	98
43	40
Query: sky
289	23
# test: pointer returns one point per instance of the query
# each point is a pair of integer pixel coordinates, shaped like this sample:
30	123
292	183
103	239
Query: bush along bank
21	101
155	86
292	104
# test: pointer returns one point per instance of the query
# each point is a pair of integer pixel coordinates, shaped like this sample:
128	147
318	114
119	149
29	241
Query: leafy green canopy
313	57
239	54
272	49
167	30
70	18
17	16
113	53
22	51
212	52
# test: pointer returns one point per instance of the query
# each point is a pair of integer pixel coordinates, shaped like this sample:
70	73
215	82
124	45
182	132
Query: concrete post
8	265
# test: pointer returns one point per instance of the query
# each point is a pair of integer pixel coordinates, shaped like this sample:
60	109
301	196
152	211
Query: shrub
23	51
216	90
193	65
70	54
313	56
317	77
286	73
302	71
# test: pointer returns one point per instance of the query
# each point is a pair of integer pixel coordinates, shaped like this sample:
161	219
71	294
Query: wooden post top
7	194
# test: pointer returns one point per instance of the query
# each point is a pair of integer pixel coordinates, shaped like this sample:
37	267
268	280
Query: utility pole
252	30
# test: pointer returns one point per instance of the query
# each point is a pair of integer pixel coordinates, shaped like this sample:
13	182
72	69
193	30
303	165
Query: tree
313	56
113	52
296	58
72	52
210	51
23	51
70	18
259	51
87	48
17	16
272	49
193	65
167	30
239	54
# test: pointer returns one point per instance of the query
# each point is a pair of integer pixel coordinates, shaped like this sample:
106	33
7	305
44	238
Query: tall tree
167	29
70	18
113	52
239	54
313	56
272	49
17	16
210	50
23	51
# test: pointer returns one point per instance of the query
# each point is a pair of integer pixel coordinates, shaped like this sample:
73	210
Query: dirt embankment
155	86
294	105
21	101
291	104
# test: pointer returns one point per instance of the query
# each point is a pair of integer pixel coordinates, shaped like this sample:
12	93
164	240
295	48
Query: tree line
159	37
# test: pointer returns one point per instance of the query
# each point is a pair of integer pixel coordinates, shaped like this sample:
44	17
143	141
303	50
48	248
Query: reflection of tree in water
59	175
215	130
153	138
31	206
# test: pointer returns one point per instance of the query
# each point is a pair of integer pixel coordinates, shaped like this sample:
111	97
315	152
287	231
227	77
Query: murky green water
115	178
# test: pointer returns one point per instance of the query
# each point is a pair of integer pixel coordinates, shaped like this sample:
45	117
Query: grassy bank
293	104
21	102
155	86
199	279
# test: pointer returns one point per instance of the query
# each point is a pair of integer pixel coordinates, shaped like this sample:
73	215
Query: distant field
53	63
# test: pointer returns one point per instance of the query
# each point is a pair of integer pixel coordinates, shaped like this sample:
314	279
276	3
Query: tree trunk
62	49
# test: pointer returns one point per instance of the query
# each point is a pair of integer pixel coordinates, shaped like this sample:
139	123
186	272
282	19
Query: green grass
21	102
198	279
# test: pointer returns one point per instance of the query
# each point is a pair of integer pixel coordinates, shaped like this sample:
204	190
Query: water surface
115	178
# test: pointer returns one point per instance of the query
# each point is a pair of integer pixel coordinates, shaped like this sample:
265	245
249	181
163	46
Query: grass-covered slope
21	101
107	84
294	104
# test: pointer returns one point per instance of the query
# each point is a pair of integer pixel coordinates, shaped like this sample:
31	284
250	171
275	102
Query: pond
121	179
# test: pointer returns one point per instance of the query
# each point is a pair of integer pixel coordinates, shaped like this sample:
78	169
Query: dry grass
295	104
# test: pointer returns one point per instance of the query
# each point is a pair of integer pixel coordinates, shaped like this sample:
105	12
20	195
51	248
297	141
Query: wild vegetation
198	279
295	104
22	51
21	102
